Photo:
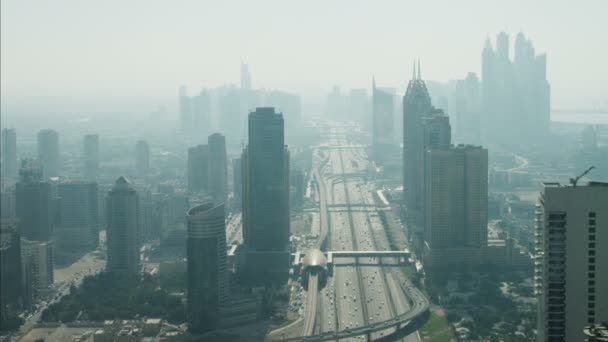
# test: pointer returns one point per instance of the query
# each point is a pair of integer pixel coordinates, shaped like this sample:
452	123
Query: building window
591	305
591	275
590	320
591	298
592	222
591	253
592	290
592	260
591	237
592	214
592	230
591	244
592	268
591	313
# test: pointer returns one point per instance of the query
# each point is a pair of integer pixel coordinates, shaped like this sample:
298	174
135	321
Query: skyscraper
515	94
38	263
9	153
122	210
245	77
48	152
436	133
218	168
185	110
142	156
456	205
201	113
382	120
571	259
265	164
237	184
416	103
198	169
79	214
207	266
90	156
11	292
231	119
33	203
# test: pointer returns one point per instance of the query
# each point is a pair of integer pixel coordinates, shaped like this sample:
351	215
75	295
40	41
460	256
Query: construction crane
573	181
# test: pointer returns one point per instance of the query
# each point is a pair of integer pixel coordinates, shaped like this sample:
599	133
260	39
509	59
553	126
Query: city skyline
99	71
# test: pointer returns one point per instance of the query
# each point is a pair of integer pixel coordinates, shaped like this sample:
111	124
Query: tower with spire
416	104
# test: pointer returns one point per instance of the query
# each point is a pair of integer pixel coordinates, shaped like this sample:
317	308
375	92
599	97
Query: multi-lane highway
362	293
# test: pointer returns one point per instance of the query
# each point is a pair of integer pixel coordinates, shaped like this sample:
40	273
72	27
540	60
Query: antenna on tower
573	181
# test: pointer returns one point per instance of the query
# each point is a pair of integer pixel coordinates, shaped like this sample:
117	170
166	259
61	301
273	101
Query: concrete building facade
571	260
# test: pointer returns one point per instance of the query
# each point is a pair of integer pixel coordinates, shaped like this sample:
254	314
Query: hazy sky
75	48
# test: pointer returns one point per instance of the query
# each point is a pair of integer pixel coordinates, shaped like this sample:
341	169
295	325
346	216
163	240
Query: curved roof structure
313	258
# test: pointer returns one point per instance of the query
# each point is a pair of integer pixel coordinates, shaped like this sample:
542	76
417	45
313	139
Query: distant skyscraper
201	113
416	104
231	118
122	206
142	156
456	205
11	291
207	266
198	169
48	152
265	164
79	215
572	259
515	94
383	112
91	156
33	199
185	109
218	168
465	110
245	77
289	105
9	153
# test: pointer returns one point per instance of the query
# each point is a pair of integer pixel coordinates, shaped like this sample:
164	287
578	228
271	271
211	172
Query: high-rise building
218	168
7	203
571	260
245	77
34	203
90	156
207	266
465	110
201	113
11	291
185	110
515	94
231	118
456	208
266	228
142	156
416	104
79	216
38	263
48	152
198	169
383	112
436	133
122	206
237	184
289	105
9	153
